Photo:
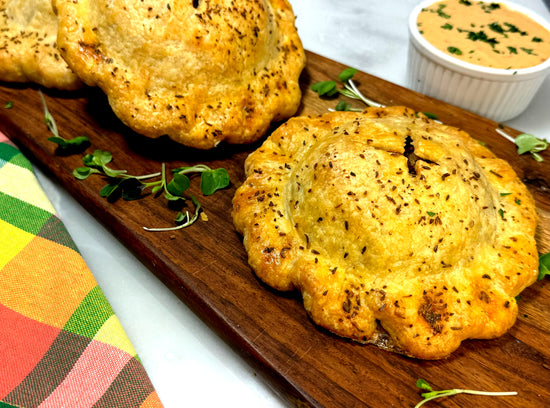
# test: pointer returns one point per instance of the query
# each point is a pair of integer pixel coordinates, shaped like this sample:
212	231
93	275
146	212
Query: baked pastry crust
198	71
28	50
412	250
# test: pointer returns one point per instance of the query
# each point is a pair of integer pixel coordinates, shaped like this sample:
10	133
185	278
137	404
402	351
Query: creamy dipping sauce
485	33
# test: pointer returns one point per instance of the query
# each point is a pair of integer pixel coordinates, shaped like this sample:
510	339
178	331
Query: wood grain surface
206	265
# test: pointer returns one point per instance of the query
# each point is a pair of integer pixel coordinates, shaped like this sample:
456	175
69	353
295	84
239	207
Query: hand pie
198	71
28	51
397	230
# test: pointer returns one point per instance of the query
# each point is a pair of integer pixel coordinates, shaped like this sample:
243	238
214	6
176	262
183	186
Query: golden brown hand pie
199	71
27	45
398	231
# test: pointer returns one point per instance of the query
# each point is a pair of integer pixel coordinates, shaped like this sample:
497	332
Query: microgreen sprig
78	143
431	394
330	88
527	143
120	183
350	89
130	187
544	265
211	179
182	220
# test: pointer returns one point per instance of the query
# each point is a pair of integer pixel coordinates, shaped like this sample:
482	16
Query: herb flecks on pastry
397	230
28	50
200	72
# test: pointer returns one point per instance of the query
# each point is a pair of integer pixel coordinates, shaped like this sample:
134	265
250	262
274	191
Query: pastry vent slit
412	158
410	155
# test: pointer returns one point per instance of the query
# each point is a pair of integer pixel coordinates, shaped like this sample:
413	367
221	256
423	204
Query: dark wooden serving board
206	265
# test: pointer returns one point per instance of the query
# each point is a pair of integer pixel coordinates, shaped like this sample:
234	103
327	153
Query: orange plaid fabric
61	345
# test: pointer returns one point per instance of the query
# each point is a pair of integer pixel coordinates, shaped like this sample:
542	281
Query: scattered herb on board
527	143
544	265
129	187
330	89
431	394
74	145
431	115
120	184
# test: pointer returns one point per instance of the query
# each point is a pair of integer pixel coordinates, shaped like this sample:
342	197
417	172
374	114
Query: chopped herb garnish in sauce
487	8
485	34
497	28
481	36
441	13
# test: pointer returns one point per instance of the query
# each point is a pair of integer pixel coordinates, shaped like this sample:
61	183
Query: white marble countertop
188	364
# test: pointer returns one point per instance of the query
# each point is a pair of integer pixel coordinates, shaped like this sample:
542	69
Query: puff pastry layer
199	71
397	230
28	50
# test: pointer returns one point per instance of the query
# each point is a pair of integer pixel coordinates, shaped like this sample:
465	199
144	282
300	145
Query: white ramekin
498	94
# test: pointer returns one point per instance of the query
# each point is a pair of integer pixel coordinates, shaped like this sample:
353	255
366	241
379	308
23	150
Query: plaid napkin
61	345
